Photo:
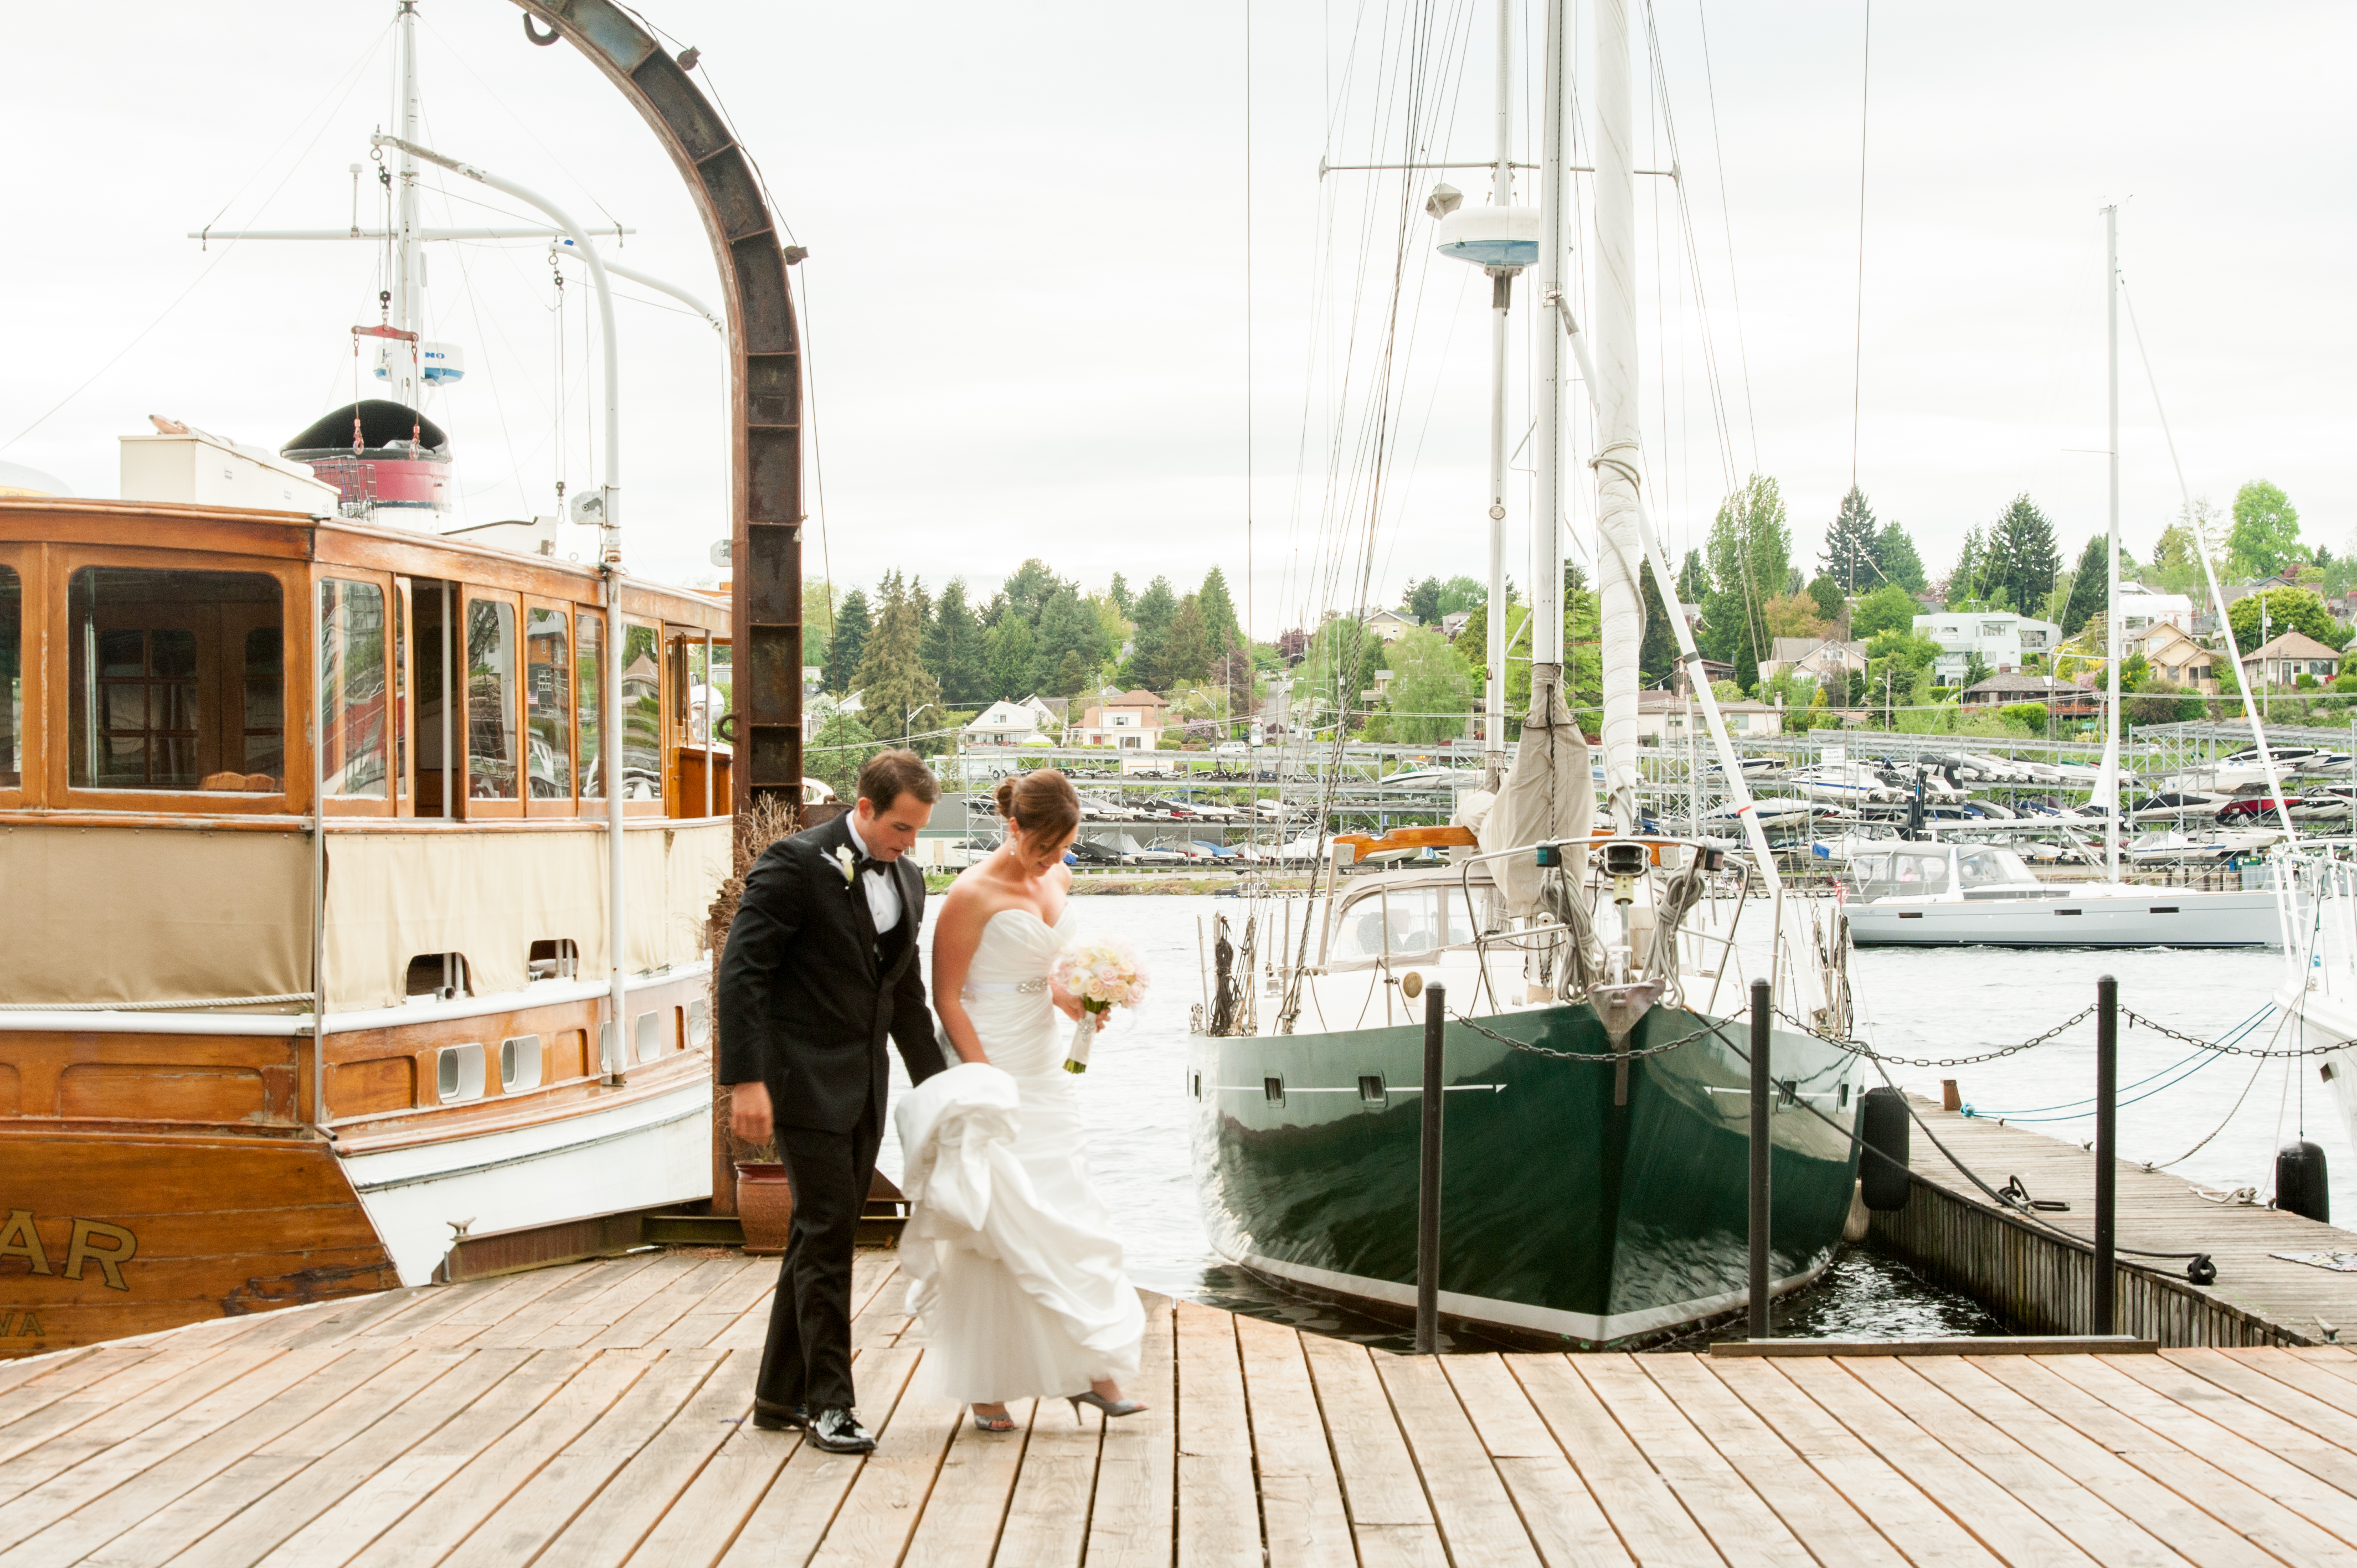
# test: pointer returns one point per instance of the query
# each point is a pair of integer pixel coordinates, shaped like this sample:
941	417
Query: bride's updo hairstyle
1041	802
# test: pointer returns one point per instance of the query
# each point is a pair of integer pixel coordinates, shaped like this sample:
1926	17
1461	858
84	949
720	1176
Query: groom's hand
748	1111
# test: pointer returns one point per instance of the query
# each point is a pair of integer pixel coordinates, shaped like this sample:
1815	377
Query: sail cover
1548	795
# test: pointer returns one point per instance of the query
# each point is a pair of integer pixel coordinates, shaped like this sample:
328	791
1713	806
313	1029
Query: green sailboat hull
1566	1218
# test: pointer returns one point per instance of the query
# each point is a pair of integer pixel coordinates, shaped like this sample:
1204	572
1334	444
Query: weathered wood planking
574	1418
1955	1233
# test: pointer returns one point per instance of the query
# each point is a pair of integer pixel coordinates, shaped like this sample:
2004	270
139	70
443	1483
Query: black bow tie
864	864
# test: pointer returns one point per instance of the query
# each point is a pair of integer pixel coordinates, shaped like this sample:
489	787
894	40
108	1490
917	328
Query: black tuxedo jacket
809	991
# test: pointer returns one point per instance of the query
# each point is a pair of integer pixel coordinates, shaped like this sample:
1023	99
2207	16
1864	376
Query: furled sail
1548	794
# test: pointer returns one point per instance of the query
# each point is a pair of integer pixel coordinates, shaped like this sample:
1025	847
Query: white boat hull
2129	918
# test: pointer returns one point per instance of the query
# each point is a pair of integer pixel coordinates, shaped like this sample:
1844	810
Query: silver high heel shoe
1110	1407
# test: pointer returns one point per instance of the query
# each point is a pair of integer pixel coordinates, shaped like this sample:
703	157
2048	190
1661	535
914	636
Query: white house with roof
1132	721
2142	609
1008	723
2284	660
2003	640
1389	624
1664	717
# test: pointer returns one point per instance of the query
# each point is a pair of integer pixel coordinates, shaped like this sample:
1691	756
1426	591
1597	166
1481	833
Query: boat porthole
1275	1089
1370	1089
1197	1084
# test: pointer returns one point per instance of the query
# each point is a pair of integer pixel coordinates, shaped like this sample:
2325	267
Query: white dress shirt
878	883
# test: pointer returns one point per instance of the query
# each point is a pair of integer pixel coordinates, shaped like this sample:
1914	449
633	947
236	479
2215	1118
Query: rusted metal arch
765	490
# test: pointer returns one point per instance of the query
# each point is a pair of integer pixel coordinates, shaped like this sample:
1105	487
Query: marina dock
596	1413
2040	1283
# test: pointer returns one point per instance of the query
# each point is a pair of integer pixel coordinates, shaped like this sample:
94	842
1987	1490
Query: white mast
1502	186
1614	313
402	361
2110	772
1546	520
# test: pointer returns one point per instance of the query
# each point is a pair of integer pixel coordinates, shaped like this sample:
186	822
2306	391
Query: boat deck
2160	1212
594	1413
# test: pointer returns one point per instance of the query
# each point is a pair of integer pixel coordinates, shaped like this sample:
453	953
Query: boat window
351	688
177	680
1992	867
1905	874
548	706
1360	934
555	959
490	700
442	974
642	715
12	680
588	686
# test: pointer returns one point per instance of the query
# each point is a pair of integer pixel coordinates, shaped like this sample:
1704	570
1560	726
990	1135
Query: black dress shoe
838	1430
768	1417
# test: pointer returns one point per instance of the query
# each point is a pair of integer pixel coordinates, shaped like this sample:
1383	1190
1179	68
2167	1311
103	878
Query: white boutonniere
849	862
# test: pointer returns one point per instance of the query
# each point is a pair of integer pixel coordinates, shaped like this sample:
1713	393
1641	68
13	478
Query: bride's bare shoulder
973	897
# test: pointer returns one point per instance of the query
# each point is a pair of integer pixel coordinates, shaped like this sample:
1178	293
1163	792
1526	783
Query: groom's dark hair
892	774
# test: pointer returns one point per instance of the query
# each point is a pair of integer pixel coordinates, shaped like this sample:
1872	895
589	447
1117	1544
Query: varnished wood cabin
176	1141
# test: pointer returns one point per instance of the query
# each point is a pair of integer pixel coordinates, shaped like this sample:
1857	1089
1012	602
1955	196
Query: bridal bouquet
1104	973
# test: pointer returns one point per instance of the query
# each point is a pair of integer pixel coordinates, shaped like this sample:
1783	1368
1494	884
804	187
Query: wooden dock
595	1414
1957	1234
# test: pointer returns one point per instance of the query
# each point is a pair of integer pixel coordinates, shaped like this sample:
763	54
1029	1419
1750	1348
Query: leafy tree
1793	615
1693	579
1889	608
1657	653
956	650
1850	558
2159	702
894	685
1429	677
1461	593
1422	603
1976	671
849	644
2021	558
2090	587
1963	588
1827	595
1189	653
838	749
1750	549
2266	537
1014	658
2031	717
818	619
2283	611
1292	645
1895	559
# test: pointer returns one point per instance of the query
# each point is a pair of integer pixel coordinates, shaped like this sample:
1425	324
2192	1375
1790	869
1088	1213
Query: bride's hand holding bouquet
1100	974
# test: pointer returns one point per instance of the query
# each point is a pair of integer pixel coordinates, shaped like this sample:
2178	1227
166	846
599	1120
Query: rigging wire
1858	333
1727	222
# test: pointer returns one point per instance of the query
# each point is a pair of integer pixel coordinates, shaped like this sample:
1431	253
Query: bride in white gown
1017	1282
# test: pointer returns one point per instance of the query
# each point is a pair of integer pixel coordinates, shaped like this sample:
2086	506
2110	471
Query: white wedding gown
1016	1280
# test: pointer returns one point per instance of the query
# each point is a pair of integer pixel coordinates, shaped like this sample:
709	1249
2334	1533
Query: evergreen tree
1071	676
2021	558
1119	594
2089	587
1028	590
1220	622
955	651
839	748
818	619
1188	654
1895	559
1149	662
1850	553
1827	595
895	688
1657	653
1693	579
1014	656
849	644
1422	603
1070	624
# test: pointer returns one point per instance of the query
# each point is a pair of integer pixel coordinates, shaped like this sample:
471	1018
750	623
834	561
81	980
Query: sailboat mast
1614	316
1501	184
401	359
1546	517
2111	769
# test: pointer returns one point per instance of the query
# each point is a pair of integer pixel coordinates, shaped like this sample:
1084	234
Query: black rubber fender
1883	1135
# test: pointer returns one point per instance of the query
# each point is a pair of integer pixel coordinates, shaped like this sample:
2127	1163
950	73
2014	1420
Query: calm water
1921	1003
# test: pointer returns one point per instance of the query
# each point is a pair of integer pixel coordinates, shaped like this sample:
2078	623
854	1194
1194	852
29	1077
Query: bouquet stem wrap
1084	1035
1103	974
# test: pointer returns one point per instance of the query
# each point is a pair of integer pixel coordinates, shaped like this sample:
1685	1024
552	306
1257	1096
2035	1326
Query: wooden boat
263	1045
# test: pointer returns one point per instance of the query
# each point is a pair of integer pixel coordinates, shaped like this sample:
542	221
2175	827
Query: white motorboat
1948	895
1852	783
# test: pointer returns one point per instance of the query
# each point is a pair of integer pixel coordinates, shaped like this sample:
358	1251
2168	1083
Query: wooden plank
2288	1463
2191	1477
1733	1456
960	1518
171	1527
635	1502
64	1378
740	1477
388	1484
1715	1493
2002	1419
887	1497
242	1514
709	1318
517	1329
1132	1517
2294	1370
116	1410
1219	1512
1048	1518
1380	1484
1302	1517
26	1369
1647	1515
2005	1524
465	1496
522	1527
2095	1524
1477	1519
586	1321
802	1505
1559	1512
1500	1411
644	1322
1870	1486
83	1510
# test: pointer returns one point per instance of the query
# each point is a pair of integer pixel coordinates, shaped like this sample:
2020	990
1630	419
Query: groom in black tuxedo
820	966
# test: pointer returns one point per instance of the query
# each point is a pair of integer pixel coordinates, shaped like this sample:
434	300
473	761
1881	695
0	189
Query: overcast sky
1026	290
